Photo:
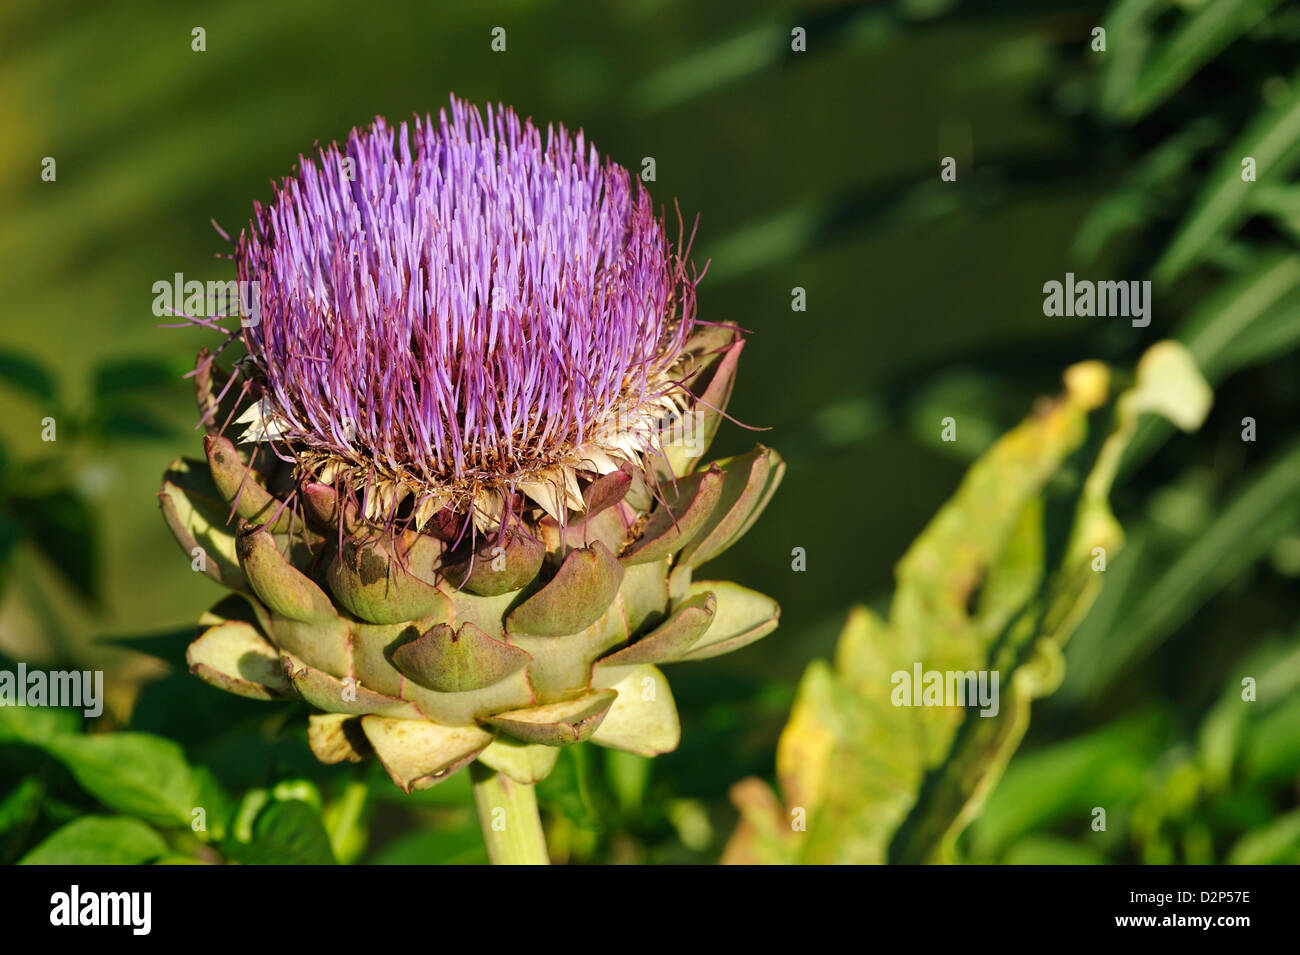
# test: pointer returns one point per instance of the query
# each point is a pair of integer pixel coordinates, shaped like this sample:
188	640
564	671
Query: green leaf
285	833
1047	850
1143	192
344	821
1273	749
1234	722
21	805
131	376
1063	782
1277	843
995	584
136	773
1201	36
1129	22
62	527
459	843
99	840
12	533
36	725
568	787
1232	328
1236	310
627	774
135	423
26	375
1273	141
1257	517
1281	202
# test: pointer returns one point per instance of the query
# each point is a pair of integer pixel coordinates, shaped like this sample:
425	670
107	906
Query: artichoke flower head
455	478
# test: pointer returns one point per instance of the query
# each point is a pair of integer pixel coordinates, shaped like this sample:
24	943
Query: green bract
430	655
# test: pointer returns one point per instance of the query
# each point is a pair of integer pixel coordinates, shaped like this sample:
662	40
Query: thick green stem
507	813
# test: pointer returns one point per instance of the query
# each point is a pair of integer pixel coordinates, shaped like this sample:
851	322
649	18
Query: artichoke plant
454	477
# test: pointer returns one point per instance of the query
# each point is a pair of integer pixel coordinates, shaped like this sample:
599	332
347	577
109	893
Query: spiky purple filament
463	315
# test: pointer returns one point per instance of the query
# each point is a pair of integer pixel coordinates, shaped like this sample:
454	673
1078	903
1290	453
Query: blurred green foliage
992	589
816	170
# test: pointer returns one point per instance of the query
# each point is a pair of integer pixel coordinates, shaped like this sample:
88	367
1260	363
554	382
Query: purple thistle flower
461	313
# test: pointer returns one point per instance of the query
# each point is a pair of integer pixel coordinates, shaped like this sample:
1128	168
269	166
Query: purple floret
468	307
